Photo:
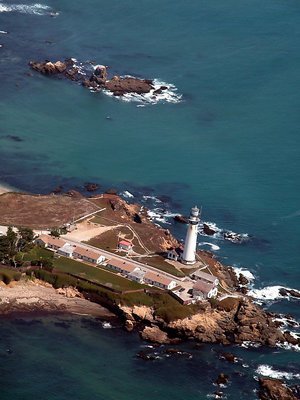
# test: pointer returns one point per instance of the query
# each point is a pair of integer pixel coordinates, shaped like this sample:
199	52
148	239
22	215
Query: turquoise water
231	144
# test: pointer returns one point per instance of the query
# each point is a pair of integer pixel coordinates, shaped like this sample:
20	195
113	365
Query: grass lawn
99	219
95	274
38	252
160	263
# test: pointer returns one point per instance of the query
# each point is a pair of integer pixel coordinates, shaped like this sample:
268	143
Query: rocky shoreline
236	321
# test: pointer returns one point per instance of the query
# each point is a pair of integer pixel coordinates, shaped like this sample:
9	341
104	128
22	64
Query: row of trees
13	244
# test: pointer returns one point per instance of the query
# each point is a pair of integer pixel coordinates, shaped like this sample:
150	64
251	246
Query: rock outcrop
155	335
237	321
98	79
289	292
208	230
274	389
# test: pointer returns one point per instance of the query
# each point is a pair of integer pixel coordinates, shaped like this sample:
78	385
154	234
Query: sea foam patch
214	247
245	272
267	370
269	293
37	8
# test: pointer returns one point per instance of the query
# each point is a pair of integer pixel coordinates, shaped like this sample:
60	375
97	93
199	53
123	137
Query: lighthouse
189	252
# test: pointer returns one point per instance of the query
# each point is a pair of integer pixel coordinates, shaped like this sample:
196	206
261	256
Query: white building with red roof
89	255
50	242
159	280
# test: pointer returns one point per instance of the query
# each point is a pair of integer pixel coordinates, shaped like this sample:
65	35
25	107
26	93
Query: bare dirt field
42	212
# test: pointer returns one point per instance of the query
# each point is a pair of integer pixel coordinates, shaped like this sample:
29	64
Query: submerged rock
91	187
228	357
222	379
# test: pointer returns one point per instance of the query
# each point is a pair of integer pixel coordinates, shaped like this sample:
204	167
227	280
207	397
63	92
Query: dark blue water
52	358
231	144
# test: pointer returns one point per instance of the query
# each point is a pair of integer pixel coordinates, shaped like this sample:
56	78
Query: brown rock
228	357
294	293
181	219
274	389
91	187
154	334
101	73
222	379
120	86
243	280
129	325
291	339
208	230
60	66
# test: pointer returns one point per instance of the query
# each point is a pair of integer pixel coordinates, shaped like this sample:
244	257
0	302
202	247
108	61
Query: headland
102	248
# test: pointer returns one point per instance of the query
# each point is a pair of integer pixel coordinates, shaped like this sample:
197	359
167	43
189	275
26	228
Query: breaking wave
222	234
267	370
269	293
159	215
37	9
127	194
247	274
213	246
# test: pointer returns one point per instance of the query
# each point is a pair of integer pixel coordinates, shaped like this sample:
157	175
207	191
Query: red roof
125	243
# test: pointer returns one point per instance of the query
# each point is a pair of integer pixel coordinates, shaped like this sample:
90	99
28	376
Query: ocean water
230	144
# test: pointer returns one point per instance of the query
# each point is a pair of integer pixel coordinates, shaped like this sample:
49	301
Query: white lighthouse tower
189	252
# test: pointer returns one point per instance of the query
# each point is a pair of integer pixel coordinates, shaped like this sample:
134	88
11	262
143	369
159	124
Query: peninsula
108	251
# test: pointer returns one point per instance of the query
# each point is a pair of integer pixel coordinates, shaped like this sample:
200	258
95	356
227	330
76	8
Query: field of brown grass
42	212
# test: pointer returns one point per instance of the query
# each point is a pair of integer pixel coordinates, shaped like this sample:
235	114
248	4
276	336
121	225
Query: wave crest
37	8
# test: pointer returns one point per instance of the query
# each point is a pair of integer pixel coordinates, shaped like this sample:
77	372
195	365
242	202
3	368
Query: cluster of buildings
124	267
140	275
198	286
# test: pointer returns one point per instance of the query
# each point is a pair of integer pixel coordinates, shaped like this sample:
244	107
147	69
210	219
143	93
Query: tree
12	239
55	232
26	237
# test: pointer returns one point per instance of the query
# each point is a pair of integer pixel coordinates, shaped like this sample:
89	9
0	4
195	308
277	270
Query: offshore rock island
106	250
98	79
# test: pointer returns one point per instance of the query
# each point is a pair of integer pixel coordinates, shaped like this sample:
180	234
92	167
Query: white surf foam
267	370
288	346
106	325
159	215
213	246
127	194
155	199
247	274
37	8
220	233
287	322
212	225
268	293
